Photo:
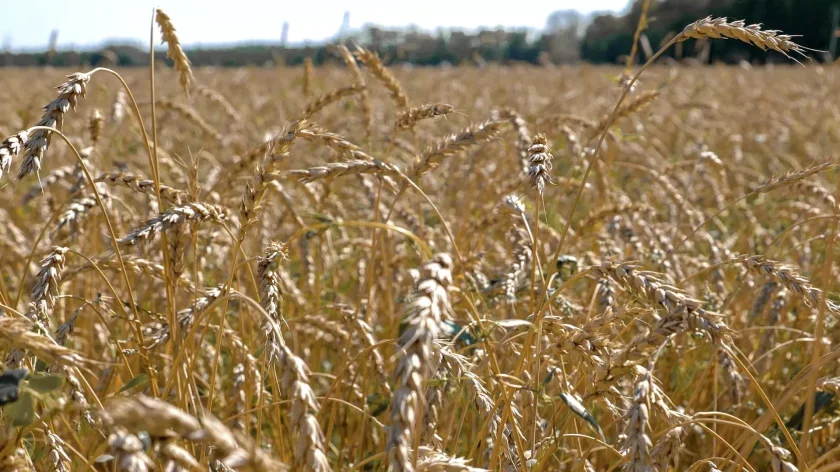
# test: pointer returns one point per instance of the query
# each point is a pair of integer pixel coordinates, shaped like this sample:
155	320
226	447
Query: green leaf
44	383
9	381
549	377
21	412
140	380
377	404
578	409
512	324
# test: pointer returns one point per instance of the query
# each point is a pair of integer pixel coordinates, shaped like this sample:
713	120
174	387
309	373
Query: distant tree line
567	37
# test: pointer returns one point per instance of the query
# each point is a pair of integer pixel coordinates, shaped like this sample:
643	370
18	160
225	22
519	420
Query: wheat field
361	267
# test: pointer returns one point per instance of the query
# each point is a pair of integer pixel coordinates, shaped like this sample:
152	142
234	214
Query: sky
87	23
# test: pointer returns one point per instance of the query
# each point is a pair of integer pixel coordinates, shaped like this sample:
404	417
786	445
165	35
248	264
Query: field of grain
351	267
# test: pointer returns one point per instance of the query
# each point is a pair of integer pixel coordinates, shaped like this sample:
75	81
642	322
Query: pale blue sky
27	23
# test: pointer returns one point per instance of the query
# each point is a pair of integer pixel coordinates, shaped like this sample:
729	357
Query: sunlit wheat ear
637	442
752	34
221	101
47	281
75	212
378	69
539	168
309	449
328	98
18	334
56	455
337	142
422	318
118	107
367	112
95	124
523	255
142	185
157	334
789	277
410	116
431	460
340	169
780	461
162	420
38	310
174	50
269	280
176	244
794	176
127	450
190	212
193	117
638	103
466	138
251	203
39	140
9	149
523	137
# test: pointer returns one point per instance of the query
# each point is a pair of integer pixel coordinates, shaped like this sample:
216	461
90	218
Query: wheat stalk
367	111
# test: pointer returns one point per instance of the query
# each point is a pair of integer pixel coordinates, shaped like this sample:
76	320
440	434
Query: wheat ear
340	169
39	140
174	50
422	318
293	372
753	34
469	136
374	63
193	211
9	149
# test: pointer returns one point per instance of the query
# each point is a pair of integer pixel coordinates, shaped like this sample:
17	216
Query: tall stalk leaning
153	156
708	27
251	208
